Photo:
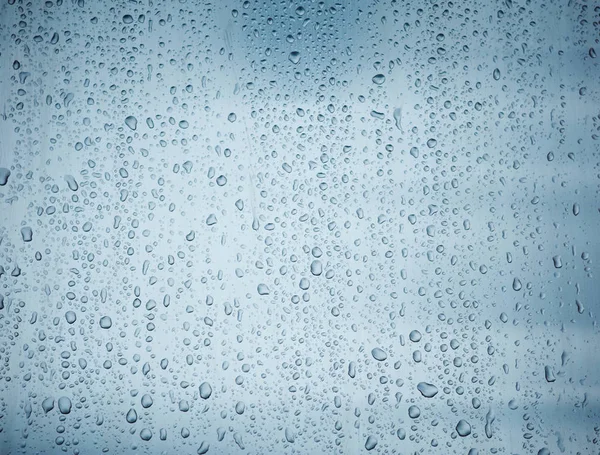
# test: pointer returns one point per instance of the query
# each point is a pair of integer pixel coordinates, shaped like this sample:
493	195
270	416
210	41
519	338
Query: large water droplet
463	428
379	354
27	234
64	405
4	175
414	412
371	442
294	57
131	416
378	79
427	390
205	390
48	405
131	122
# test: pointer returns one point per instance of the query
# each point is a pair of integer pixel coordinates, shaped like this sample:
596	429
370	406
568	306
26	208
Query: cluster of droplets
298	228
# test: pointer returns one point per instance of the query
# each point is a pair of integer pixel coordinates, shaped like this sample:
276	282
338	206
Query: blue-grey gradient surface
277	227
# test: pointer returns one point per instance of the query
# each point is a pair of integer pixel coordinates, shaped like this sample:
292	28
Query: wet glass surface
299	227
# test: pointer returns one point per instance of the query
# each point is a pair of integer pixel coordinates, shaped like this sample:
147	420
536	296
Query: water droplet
240	407
70	316
294	57
352	369
414	412
463	428
26	234
105	322
146	401
64	405
131	416
379	354
203	448
414	336
427	390
517	284
71	182
557	262
4	175
398	118
289	435
371	442
316	268
549	374
48	405
205	390
131	122
378	79
262	289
